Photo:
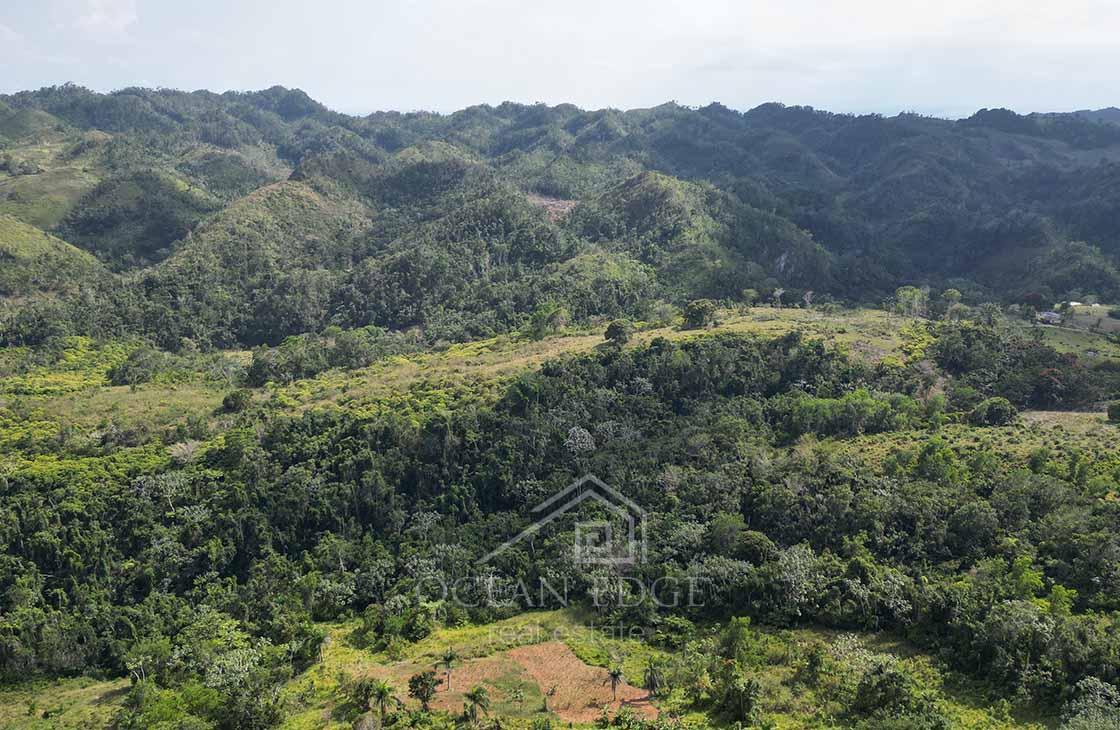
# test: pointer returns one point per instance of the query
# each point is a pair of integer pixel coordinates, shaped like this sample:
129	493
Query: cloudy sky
948	57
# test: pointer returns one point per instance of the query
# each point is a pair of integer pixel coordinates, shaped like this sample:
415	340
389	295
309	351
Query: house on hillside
1049	318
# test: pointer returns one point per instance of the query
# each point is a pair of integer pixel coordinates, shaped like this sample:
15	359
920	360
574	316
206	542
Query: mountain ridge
998	205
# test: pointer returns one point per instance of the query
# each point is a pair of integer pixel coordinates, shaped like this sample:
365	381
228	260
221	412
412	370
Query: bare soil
581	690
555	208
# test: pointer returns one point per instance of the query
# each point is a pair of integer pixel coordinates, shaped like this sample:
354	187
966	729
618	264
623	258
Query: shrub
1114	411
619	332
992	412
141	366
236	401
699	313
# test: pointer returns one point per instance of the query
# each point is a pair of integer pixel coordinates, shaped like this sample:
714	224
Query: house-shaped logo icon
596	542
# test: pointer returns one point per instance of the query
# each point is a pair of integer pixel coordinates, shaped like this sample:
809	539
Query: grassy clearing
43	200
494	656
433	380
1068	437
1094	317
74	393
61	704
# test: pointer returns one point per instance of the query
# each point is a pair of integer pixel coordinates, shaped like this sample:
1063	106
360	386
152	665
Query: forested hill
241	218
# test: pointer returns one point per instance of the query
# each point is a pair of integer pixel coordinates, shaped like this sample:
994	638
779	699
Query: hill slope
689	203
32	261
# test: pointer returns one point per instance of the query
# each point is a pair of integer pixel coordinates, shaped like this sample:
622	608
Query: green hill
18	123
32	261
257	271
133	219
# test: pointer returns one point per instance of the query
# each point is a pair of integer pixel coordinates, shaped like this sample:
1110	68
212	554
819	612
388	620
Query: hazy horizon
869	56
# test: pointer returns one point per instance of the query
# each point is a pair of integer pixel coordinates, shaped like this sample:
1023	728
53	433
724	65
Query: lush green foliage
202	578
194	533
423	220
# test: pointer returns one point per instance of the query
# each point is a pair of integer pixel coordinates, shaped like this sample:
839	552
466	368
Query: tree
477	700
989	314
972	530
1095	706
738	643
517	694
382	694
449	658
361	693
885	690
619	332
236	401
740	695
614	676
910	301
992	412
549	317
422	687
654	677
725	534
1114	411
699	313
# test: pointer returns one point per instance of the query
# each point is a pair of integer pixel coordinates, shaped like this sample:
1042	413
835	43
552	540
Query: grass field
74	395
79	704
63	176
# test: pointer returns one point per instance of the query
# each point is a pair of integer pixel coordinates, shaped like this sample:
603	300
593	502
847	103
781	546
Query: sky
941	57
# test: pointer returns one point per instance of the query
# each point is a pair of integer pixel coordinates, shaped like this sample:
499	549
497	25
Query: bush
699	313
992	412
236	401
619	332
141	366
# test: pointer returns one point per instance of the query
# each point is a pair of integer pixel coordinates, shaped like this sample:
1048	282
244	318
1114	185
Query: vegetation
269	443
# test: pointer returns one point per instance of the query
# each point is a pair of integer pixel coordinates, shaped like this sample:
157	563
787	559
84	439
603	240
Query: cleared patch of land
521	659
61	704
578	692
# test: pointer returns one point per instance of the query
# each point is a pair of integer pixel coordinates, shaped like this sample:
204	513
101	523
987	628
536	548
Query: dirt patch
581	690
555	208
485	671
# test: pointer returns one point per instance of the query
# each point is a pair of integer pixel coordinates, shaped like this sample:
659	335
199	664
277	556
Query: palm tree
477	699
448	661
615	678
382	694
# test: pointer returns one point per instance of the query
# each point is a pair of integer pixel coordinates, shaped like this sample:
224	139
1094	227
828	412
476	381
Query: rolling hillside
34	262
